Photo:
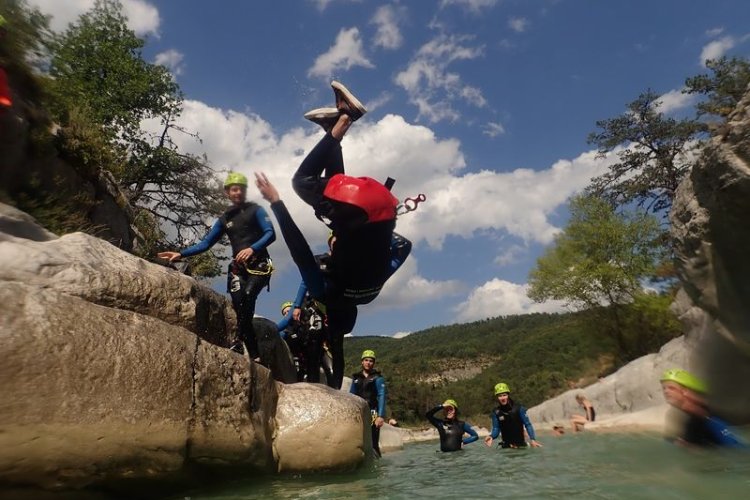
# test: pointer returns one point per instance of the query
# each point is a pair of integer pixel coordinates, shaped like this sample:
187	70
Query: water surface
581	466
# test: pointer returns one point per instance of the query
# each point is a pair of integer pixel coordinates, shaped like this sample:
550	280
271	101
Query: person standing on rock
451	429
509	420
361	213
369	385
250	231
684	391
578	421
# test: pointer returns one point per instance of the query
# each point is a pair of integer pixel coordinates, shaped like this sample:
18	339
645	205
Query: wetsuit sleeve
213	236
495	426
473	436
527	424
400	250
281	325
721	433
431	417
380	386
301	291
269	235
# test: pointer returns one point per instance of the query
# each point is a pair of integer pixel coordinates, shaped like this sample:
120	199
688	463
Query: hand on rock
170	256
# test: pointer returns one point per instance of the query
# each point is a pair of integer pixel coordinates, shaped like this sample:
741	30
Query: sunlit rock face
116	369
711	228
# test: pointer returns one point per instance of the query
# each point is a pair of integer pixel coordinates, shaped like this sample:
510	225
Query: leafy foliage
723	87
654	156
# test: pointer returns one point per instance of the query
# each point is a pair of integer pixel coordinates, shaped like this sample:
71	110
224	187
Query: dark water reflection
581	466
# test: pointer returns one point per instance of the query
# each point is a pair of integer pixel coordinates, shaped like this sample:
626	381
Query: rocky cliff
712	244
117	369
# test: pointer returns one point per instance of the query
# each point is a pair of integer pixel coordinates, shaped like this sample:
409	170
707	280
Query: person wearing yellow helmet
250	232
509	420
360	211
369	385
686	392
450	429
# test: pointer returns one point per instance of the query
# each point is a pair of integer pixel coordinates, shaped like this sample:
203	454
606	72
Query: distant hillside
538	355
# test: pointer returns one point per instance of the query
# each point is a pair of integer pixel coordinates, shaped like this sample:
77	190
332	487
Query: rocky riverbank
116	369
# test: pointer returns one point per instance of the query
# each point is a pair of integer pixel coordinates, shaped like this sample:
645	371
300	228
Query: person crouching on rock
250	231
578	421
508	421
685	392
451	429
369	385
360	211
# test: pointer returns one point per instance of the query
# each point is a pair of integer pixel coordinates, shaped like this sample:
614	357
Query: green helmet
451	402
685	379
286	304
501	388
368	353
235	178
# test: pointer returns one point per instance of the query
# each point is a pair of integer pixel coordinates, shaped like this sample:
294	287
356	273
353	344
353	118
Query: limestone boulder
319	428
712	244
96	271
634	387
92	394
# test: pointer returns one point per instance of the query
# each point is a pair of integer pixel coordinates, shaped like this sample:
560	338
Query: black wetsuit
361	259
451	431
509	421
247	226
372	389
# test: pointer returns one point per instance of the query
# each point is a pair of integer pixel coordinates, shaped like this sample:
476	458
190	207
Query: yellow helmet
235	178
286	304
501	388
451	402
685	379
368	353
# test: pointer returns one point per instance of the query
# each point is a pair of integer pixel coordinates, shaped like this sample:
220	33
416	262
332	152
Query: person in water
369	385
685	392
508	421
361	213
250	231
451	429
578	421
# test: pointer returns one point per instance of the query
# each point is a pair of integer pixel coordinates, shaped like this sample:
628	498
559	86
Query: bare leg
342	125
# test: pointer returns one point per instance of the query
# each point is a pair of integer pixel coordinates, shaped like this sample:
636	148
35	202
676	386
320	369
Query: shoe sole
349	97
322	113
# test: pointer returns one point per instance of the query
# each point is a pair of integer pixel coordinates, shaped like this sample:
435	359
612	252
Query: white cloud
674	100
407	288
474	6
518	24
493	129
510	255
714	32
379	101
388	34
499	298
431	87
323	4
143	17
400	335
345	53
717	48
172	60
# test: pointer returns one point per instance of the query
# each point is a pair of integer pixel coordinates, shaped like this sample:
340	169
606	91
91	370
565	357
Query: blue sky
483	105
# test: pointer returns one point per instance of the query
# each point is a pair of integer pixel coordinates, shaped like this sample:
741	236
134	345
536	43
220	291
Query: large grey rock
88	267
93	393
319	428
712	244
634	387
14	222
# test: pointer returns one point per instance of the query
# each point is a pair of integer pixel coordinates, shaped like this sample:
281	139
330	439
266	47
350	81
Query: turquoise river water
571	466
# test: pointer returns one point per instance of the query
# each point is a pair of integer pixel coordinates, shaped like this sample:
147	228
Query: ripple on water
580	466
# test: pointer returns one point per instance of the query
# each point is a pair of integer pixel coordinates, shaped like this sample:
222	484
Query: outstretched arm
473	436
213	236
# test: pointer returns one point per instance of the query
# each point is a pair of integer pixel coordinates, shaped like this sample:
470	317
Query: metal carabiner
411	204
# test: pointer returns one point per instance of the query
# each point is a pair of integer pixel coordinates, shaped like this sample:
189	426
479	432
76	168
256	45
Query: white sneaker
325	117
346	102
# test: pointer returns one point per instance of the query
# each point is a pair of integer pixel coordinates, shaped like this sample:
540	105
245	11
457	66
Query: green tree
653	151
723	87
100	77
599	261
